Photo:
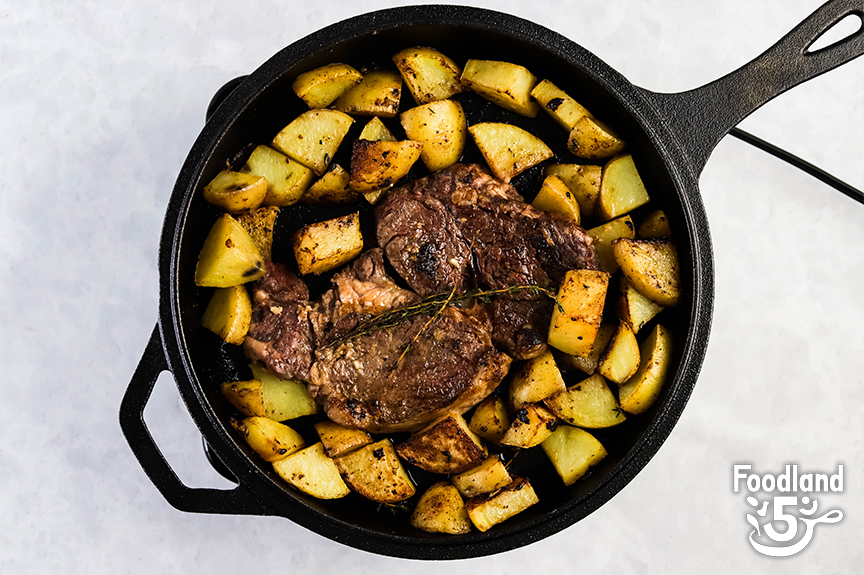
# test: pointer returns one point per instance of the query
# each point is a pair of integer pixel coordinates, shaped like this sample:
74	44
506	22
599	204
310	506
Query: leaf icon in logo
752	521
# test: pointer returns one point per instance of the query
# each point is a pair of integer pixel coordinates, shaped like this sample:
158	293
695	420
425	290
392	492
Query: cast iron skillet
671	137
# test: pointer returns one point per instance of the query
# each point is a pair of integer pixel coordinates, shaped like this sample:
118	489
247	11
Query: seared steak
462	228
370	382
280	334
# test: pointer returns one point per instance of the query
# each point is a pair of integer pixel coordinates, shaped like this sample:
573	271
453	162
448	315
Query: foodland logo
765	538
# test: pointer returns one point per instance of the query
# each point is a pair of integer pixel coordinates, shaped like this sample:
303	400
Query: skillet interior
265	103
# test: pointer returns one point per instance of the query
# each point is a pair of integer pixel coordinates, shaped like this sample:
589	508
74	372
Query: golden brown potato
621	189
339	440
651	266
490	420
563	109
503	83
509	150
442	129
441	510
485	478
656	225
486	511
578	311
429	74
379	164
375	472
320	87
589	363
573	451
313	137
555	196
538	378
532	424
259	224
446	446
375	130
635	308
287	180
270	439
229	314
236	192
621	358
641	391
331	188
589	404
377	95
583	181
247	397
593	140
312	472
283	398
229	257
323	246
605	234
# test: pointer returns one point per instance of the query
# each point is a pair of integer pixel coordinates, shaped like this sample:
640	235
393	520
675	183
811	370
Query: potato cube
641	391
605	234
532	424
259	224
443	130
323	246
247	397
572	452
490	420
635	308
486	511
331	188
589	363
621	188
583	180
269	439
312	472
380	164
446	446
339	440
485	478
287	180
313	137
538	378
593	140
229	257
283	398
375	131
651	266
429	74
508	149
578	311
554	196
375	472
589	404
229	314
621	358
320	87
503	83
236	192
655	225
441	510
563	109
377	95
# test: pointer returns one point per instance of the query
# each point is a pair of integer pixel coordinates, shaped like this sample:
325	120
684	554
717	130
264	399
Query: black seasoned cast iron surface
669	144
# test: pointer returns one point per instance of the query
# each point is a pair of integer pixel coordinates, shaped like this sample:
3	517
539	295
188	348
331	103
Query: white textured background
99	104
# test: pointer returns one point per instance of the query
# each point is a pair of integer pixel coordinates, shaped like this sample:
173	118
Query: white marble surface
99	105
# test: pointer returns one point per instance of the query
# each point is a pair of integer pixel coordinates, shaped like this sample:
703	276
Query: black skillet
671	137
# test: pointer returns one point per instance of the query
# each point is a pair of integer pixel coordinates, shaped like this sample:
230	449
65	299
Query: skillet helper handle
701	117
235	501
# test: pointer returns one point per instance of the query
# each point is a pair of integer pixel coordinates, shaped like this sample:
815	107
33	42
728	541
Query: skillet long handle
235	501
701	117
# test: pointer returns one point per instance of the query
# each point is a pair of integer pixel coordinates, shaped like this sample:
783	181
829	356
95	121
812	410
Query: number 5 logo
791	521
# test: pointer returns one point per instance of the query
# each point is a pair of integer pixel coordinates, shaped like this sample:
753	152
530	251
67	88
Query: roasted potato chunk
531	425
589	363
247	397
377	95
446	446
229	257
635	308
269	439
485	478
508	149
651	266
229	314
312	472
578	311
583	181
563	109
593	140
442	129
572	452
283	398
490	420
486	511
322	246
555	196
375	130
379	164
339	440
656	225
641	391
441	510
287	180
259	224
621	189
503	83
375	472
538	378
331	188
429	74
621	358
313	138
589	404
605	234
236	192
320	87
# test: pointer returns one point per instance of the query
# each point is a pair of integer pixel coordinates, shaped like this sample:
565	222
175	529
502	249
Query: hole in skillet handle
221	94
846	27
